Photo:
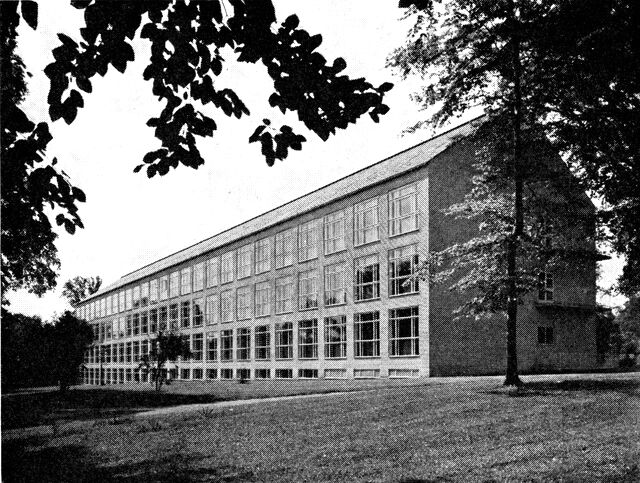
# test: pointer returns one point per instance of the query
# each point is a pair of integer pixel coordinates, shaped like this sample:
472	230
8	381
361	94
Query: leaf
291	22
339	64
255	137
138	168
79	195
70	227
30	13
60	219
84	84
385	87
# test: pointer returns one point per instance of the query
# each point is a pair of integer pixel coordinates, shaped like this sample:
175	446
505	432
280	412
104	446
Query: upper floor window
263	342
174	282
284	340
153	290
308	339
284	295
308	289
366	222
334	284
367	278
197	346
335	337
198	312
213	268
403	210
243	303
308	241
185	281
144	294
198	276
403	264
403	332
212	346
108	306
136	296
244	344
164	287
226	267
545	287
226	345
334	230
211	310
263	255
285	247
128	298
244	261
226	306
263	298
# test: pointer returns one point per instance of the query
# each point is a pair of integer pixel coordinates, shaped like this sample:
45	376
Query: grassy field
585	428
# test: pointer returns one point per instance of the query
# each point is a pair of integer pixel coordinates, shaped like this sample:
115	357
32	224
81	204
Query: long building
321	287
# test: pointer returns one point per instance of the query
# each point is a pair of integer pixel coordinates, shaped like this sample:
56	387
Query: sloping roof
388	168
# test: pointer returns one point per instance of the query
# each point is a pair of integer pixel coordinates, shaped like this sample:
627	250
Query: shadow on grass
629	387
24	410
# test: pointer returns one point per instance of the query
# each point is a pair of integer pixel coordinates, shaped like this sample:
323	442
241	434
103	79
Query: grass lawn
585	428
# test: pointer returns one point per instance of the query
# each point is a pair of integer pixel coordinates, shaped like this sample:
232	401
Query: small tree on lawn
165	347
65	344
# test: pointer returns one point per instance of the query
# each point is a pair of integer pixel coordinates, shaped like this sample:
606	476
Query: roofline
443	133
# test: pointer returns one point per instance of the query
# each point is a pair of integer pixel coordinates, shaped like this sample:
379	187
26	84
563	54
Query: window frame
339	323
360	228
394	200
358	340
395	257
308	280
359	287
334	223
395	339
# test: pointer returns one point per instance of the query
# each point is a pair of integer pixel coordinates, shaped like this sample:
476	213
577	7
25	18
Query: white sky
131	220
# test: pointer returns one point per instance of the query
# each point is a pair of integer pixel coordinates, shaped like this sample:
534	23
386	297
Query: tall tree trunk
512	378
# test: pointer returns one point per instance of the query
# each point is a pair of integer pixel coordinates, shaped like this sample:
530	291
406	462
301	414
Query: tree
493	54
66	342
628	321
79	288
164	347
31	184
190	45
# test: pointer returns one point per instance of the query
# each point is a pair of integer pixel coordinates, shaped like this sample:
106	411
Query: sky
131	220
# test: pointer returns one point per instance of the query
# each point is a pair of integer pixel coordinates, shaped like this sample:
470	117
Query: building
316	289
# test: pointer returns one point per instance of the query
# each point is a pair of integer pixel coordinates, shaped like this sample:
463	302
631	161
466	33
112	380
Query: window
185	314
334	229
153	291
284	340
243	374
366	222
226	345
121	301
403	373
212	373
308	339
284	295
185	281
129	326
196	346
163	319
164	287
284	373
144	322
545	287
335	337
212	346
198	277
136	351
144	294
367	278
244	261
127	353
243	303
335	373
334	284
144	348
174	312
367	334
108	306
308	290
285	247
226	267
545	335
403	210
198	312
136	296
244	344
197	374
403	332
174	281
263	255
308	241
128	296
263	373
213	267
263	342
403	264
153	321
185	374
226	306
211	309
366	373
308	373
226	373
263	299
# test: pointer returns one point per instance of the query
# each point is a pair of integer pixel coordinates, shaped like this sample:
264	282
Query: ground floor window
244	344
545	335
185	374
367	334
308	339
403	332
366	373
226	345
335	373
263	342
212	346
243	374
212	373
263	373
284	340
335	337
197	373
308	373
226	373
284	373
